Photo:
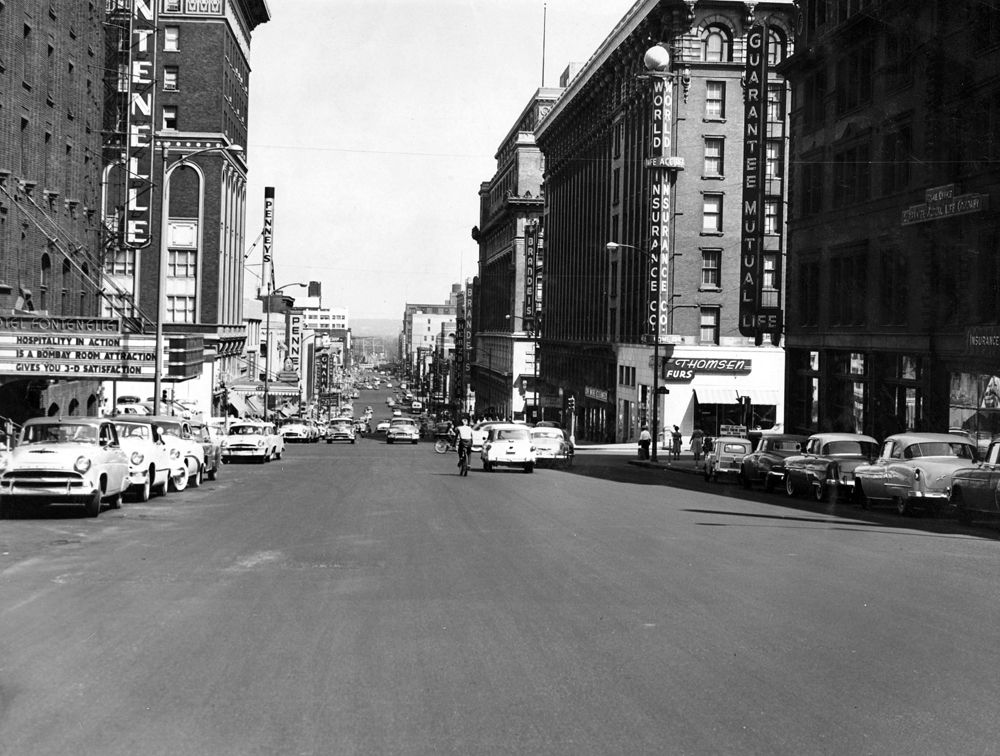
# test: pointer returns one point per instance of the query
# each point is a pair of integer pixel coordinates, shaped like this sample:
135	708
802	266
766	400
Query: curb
682	465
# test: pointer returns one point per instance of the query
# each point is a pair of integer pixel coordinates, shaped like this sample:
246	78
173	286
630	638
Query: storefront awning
277	388
763	397
254	407
237	404
717	395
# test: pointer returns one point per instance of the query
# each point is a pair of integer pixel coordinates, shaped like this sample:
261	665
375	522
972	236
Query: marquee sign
55	347
139	149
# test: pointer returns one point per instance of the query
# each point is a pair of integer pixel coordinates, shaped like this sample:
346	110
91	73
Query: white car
176	433
403	429
72	460
297	432
152	465
508	445
552	445
479	432
252	439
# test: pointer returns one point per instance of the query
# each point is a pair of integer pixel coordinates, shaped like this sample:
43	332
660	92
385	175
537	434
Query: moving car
913	471
479	432
827	464
975	489
552	446
297	431
252	439
152	465
403	429
382	426
766	463
72	460
508	445
726	457
341	430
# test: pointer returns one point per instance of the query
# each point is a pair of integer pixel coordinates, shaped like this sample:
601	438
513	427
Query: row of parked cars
96	461
937	473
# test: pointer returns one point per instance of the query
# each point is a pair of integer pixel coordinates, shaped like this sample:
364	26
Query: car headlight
82	464
260	443
225	443
136	458
175	454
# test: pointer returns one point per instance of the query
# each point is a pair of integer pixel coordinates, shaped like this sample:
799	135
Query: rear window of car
735	448
511	434
546	433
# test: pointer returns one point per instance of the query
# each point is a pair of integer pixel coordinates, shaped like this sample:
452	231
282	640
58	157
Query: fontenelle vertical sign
139	148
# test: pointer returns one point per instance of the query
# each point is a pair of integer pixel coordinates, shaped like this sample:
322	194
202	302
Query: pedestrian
675	437
697	443
645	439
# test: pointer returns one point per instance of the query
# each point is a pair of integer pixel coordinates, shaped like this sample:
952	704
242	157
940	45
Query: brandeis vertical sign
140	143
755	319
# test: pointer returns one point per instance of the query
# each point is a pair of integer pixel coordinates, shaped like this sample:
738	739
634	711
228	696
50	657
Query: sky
376	121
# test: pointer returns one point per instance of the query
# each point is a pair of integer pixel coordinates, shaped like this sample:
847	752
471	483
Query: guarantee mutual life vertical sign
752	211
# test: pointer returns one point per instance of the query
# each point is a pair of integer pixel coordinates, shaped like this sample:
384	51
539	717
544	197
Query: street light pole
161	289
267	338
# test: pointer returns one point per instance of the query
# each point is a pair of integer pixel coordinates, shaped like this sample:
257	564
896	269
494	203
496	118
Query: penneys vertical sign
268	232
752	216
139	149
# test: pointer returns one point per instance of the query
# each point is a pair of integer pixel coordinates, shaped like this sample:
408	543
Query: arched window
716	44
53	410
44	280
74	407
775	46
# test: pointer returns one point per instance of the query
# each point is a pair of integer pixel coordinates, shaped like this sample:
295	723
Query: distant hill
384	327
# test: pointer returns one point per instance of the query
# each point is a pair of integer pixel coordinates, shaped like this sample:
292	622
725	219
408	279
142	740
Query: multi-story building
421	323
176	120
50	232
894	279
645	222
510	241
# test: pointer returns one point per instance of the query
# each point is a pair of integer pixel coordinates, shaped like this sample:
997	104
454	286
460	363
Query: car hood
46	455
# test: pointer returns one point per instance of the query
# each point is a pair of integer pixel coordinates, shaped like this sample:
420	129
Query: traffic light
571	403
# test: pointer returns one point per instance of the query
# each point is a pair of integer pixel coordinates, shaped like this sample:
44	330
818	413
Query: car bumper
70	488
243	453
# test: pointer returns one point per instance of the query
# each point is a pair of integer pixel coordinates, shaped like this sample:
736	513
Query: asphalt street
365	599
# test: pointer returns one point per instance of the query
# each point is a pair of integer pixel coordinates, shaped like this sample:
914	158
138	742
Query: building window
812	185
771	216
716	45
172	6
711	268
170	117
708	332
775	46
769	293
714	154
854	78
897	155
775	166
775	103
170	78
715	99
851	175
180	309
171	38
182	264
711	217
814	101
807	294
893	285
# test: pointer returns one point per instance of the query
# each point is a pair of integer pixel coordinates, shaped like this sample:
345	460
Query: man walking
645	438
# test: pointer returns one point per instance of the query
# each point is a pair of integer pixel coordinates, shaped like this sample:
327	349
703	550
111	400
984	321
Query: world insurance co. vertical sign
753	321
140	143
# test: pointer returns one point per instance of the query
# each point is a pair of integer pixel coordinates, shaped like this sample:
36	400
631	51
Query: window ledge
713	177
713	233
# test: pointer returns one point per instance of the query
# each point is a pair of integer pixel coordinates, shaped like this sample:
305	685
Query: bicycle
445	444
463	460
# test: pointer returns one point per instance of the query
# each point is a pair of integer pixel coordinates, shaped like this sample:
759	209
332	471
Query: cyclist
464	434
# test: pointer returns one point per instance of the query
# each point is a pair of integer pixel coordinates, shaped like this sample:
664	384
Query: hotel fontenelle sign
73	347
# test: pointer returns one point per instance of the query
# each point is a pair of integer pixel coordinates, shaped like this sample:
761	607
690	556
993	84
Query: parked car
403	429
766	463
827	464
176	432
211	444
726	457
152	464
252	439
552	446
913	471
341	430
72	460
975	489
508	445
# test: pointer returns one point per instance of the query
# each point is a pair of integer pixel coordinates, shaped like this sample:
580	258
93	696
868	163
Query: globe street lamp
161	290
267	339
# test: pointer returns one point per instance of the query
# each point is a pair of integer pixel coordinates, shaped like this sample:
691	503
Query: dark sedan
765	465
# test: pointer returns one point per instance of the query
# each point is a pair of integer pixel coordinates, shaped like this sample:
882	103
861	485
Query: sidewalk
630	449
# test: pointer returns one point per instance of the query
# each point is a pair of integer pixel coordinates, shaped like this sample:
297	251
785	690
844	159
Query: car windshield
792	446
511	434
172	429
244	430
59	433
939	449
404	421
547	433
847	448
134	430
